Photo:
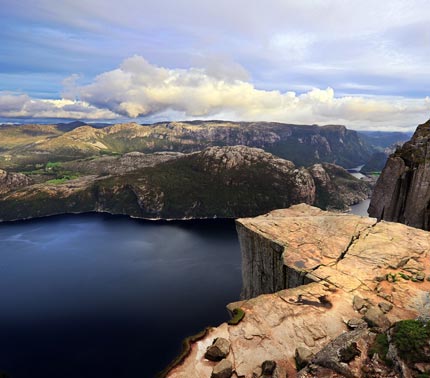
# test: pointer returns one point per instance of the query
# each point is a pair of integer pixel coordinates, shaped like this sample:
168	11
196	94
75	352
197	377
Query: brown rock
385	307
218	350
354	323
358	303
374	317
223	369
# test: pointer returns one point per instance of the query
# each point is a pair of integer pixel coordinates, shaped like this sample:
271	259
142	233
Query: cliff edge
325	288
402	192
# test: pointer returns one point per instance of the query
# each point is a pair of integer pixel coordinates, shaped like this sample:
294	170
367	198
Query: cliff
226	182
334	284
402	193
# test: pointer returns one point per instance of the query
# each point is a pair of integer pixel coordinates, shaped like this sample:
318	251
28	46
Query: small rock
218	350
380	278
358	303
385	307
268	368
420	276
355	323
223	369
374	317
303	357
428	278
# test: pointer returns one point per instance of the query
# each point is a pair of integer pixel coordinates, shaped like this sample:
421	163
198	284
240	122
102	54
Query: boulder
374	317
218	350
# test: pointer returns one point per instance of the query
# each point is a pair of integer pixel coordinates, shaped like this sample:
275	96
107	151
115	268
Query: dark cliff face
402	193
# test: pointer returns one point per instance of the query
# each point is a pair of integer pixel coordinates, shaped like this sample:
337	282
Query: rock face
12	181
225	182
320	271
402	193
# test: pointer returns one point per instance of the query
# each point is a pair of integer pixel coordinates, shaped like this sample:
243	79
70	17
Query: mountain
402	193
303	145
376	163
384	139
225	182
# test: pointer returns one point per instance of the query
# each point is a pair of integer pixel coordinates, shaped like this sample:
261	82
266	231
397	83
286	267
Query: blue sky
363	64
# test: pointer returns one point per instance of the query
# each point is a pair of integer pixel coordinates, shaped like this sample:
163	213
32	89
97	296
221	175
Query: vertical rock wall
263	269
402	193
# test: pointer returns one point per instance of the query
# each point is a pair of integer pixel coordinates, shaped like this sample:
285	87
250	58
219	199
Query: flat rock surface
349	256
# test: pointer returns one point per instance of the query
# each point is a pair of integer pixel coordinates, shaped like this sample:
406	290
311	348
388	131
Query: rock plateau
320	286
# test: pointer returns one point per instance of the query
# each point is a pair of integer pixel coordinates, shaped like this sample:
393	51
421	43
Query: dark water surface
101	296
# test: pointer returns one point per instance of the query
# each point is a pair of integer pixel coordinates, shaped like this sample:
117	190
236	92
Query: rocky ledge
335	284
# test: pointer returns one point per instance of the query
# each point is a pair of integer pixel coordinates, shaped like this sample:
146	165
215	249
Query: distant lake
102	296
361	208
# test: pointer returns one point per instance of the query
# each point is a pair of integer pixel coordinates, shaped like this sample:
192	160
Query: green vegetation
52	166
61	180
412	337
238	315
404	276
380	346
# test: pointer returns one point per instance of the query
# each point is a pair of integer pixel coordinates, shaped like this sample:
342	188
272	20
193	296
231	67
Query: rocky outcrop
334	187
402	193
226	182
362	277
11	181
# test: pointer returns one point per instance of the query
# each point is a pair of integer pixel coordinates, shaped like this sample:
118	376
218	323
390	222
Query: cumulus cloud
140	89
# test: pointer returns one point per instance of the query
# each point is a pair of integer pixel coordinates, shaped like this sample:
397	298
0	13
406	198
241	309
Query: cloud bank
141	90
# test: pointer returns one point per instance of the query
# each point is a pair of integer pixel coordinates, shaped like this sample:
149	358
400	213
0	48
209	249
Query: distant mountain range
304	145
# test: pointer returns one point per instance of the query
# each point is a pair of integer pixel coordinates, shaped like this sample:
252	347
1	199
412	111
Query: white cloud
138	89
22	106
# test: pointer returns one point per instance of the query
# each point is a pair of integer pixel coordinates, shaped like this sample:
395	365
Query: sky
363	64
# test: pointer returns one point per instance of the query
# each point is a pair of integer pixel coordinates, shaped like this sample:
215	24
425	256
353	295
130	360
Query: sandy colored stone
344	263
